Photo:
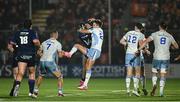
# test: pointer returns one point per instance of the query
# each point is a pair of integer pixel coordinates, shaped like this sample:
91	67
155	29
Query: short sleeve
59	47
141	37
125	36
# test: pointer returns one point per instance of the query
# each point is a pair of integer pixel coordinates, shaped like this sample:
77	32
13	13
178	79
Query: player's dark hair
163	25
27	24
139	26
97	21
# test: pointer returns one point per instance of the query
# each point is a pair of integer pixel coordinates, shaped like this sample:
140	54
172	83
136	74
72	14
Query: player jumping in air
48	50
132	39
162	42
93	52
26	40
86	41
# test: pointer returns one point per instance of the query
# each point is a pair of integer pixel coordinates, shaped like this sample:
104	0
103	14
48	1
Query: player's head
88	23
139	26
54	34
27	24
163	26
97	23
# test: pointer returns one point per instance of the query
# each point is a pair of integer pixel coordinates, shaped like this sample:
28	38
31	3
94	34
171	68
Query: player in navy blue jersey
86	41
26	40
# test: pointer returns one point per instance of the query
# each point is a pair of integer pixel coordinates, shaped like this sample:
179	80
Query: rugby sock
136	82
73	50
154	80
162	84
14	84
143	83
128	81
31	85
60	90
88	75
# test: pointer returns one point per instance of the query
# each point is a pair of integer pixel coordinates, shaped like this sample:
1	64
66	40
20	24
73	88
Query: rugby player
93	52
26	40
86	41
162	42
48	50
132	39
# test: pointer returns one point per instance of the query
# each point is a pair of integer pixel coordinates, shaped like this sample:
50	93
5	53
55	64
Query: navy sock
31	86
83	79
17	83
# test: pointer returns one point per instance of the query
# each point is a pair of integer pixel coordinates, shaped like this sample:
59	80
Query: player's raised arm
84	31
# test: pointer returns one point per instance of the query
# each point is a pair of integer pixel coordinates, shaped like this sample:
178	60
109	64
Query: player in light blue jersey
132	39
48	51
143	52
93	52
162	42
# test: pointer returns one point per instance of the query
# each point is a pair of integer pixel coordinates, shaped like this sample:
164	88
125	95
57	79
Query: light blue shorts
160	65
48	66
93	54
131	60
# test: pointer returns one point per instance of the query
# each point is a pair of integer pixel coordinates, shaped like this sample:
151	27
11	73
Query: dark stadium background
118	17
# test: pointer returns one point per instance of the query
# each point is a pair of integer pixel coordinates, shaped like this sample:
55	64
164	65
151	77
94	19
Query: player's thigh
129	71
128	59
164	66
81	48
137	70
155	66
22	67
42	69
89	63
93	54
53	68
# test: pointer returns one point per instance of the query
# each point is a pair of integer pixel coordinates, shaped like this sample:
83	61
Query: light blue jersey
97	39
50	48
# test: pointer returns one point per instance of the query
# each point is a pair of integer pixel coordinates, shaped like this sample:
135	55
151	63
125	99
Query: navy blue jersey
24	40
86	39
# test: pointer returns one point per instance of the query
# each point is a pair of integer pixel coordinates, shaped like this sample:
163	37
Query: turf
98	90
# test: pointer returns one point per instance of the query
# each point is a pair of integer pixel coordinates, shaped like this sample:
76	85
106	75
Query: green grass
99	90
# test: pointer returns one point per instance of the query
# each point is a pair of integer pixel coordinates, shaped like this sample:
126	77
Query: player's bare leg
38	83
15	72
60	82
136	80
88	67
154	82
20	74
76	47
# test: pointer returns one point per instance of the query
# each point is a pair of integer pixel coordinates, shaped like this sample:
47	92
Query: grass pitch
99	90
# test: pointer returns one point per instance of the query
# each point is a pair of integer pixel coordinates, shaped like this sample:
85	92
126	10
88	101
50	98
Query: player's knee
76	45
60	77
